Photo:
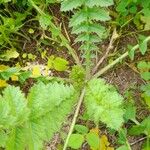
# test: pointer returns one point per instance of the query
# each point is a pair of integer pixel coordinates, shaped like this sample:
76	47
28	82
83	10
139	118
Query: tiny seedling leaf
76	141
60	64
143	47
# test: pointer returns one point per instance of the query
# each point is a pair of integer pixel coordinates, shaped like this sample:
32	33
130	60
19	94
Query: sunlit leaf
93	140
45	21
95	130
81	129
12	53
76	141
3	138
3	67
50	62
60	64
145	75
3	83
36	71
104	143
124	147
143	47
14	78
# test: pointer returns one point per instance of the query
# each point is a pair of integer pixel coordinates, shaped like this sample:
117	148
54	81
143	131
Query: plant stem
110	46
61	36
139	140
74	118
103	70
88	51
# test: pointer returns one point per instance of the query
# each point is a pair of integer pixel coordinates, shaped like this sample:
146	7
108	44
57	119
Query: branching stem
102	71
119	59
61	36
110	47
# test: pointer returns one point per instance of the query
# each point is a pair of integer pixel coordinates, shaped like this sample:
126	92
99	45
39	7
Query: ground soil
123	77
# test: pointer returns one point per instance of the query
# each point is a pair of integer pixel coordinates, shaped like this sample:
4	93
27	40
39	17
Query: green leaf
136	130
103	103
29	122
81	129
142	65
121	7
16	139
85	37
76	141
6	74
131	52
145	75
146	145
93	28
142	128
3	138
146	123
146	20
146	94
60	64
122	136
17	103
24	75
49	108
67	5
124	147
6	56
130	111
73	4
102	3
143	47
82	15
93	140
45	21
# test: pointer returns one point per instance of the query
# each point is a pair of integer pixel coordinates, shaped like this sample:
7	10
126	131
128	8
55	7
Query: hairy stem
74	118
119	59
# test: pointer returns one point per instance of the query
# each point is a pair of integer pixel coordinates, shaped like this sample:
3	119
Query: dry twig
110	47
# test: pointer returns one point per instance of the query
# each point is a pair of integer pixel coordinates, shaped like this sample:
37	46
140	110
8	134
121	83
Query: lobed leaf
96	13
68	5
104	104
101	3
29	122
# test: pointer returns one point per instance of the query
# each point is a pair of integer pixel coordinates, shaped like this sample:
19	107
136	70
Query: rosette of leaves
103	103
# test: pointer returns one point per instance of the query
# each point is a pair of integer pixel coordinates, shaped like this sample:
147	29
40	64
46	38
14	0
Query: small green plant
137	11
42	112
92	137
142	128
144	69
